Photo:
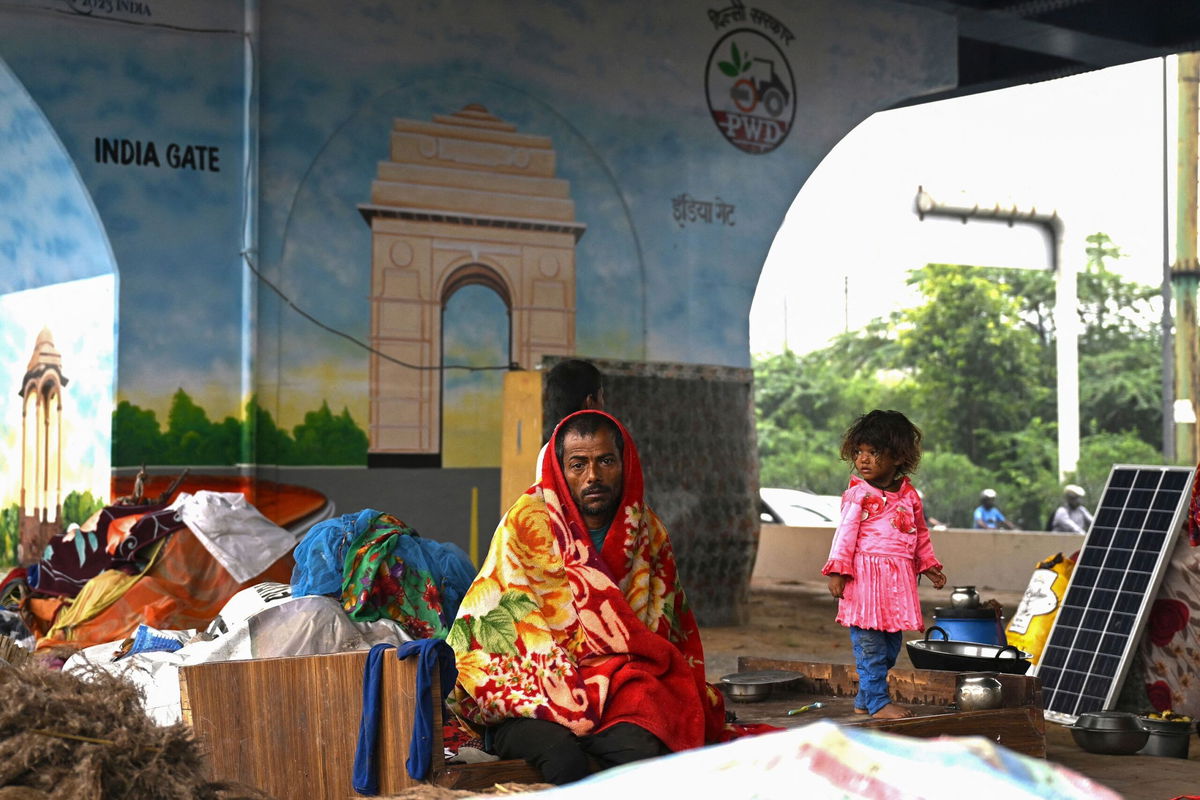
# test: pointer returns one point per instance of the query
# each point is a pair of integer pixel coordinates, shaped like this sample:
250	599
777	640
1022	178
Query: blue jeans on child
875	653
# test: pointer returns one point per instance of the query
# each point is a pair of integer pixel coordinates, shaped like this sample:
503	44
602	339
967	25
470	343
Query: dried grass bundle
65	736
11	652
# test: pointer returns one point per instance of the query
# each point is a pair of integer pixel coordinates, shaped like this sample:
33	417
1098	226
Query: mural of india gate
465	199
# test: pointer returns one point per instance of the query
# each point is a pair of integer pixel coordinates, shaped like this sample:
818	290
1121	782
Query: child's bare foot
892	711
858	710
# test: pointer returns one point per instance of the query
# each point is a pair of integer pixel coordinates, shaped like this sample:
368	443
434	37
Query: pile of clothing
140	591
166	565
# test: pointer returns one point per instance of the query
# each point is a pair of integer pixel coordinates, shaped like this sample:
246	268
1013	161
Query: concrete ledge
997	560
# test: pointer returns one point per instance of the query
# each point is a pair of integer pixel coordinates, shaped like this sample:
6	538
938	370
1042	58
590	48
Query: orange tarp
186	587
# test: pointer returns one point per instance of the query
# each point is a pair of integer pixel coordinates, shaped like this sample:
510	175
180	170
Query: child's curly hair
887	431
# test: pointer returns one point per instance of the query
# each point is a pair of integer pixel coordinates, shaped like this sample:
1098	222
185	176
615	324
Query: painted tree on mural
974	366
77	507
10	534
192	439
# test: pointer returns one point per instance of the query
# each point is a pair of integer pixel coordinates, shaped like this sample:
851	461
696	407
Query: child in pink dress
879	548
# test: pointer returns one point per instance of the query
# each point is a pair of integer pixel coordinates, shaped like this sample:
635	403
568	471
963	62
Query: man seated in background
1072	516
576	643
571	385
987	516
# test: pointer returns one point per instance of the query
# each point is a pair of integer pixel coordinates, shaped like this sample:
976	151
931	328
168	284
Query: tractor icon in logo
751	92
747	93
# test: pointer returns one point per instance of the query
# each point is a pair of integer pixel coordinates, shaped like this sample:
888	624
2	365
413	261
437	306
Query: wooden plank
918	686
486	775
1019	729
289	726
1018	724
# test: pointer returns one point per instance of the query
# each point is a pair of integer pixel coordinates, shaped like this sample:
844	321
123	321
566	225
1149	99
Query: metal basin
1167	737
1109	733
957	656
751	687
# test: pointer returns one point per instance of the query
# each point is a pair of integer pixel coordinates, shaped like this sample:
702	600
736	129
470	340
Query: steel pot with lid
976	691
964	597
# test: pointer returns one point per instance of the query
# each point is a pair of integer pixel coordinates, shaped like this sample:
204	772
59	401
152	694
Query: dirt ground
795	620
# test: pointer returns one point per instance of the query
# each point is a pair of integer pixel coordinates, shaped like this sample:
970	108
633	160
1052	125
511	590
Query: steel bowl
1109	742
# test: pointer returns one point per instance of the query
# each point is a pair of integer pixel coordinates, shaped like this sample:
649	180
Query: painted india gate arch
463	199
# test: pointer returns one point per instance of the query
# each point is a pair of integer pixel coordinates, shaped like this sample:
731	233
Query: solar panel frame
1121	563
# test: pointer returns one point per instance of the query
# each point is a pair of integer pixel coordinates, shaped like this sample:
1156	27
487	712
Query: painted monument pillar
41	447
464	199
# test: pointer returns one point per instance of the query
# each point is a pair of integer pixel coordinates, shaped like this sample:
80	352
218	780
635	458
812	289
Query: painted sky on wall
48	228
630	127
620	89
174	232
49	234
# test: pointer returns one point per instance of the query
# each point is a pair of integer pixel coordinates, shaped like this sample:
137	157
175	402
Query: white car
800	509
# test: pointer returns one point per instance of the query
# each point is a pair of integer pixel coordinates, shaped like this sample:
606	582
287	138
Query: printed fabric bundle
382	569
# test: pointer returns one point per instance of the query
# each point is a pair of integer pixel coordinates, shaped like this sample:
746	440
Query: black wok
956	656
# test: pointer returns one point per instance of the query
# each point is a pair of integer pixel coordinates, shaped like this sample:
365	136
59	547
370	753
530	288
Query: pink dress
882	544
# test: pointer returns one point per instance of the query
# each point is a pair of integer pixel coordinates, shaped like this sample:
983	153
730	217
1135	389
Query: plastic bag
1035	614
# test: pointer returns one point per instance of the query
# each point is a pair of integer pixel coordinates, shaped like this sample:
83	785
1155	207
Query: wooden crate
289	726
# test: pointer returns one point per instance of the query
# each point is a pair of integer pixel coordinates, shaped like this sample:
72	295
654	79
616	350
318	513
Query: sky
1089	147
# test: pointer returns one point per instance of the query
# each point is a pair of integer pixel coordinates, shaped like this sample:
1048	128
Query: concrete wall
999	560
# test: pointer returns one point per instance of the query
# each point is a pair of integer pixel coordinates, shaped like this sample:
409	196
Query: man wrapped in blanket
575	645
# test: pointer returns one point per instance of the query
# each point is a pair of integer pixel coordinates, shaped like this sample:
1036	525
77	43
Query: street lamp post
1066	319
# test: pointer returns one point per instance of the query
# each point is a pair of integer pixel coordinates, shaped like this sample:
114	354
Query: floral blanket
555	630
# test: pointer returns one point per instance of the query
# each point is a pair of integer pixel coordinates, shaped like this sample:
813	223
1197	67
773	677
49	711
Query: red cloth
1193	523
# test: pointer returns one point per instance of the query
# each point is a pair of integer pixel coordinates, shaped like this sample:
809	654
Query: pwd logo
751	91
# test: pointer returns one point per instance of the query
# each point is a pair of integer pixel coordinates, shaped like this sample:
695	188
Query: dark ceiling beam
1000	46
1010	30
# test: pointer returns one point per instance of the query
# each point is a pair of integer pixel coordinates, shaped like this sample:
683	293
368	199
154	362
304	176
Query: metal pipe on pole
1066	318
1185	272
1166	324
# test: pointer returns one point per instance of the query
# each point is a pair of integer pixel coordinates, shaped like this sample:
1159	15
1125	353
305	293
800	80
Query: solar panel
1116	575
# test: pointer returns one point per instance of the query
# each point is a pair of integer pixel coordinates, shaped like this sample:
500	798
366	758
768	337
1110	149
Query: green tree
1098	453
192	439
10	534
1120	342
272	444
137	438
804	403
325	439
974	365
950	484
977	371
79	507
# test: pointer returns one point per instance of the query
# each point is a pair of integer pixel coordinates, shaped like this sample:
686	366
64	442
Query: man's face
1073	500
594	474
